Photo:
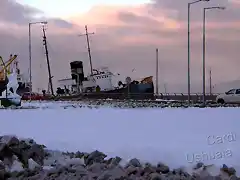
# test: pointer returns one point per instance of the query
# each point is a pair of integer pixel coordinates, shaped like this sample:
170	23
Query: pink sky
126	37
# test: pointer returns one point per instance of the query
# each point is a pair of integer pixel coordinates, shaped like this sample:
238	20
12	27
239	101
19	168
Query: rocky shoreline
26	160
120	104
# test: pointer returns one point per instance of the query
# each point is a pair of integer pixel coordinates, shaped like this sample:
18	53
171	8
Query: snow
167	135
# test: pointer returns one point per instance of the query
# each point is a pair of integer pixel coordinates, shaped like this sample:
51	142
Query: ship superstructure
103	81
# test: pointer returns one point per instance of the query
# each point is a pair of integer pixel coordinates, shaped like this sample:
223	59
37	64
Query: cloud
16	13
125	38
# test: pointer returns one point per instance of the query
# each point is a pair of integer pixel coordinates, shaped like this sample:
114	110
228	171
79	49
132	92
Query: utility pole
30	50
47	57
157	71
210	81
165	88
189	50
204	51
88	46
204	45
30	56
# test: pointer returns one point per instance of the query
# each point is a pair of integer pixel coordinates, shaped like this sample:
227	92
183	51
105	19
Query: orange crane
6	67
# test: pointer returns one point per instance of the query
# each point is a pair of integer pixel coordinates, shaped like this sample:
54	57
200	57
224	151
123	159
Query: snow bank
176	137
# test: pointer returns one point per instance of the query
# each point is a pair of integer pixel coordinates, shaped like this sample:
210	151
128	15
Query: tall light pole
189	80
204	48
30	50
157	72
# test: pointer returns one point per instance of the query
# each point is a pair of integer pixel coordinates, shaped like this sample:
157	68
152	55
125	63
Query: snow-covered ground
176	137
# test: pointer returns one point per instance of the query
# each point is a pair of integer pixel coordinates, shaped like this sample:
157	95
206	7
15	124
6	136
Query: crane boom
6	67
8	63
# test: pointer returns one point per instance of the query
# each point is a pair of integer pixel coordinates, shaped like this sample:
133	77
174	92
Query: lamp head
215	7
222	8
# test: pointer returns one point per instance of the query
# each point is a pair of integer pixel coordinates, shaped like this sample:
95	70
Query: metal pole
189	80
157	71
30	52
48	63
30	56
210	80
30	59
88	46
204	51
89	51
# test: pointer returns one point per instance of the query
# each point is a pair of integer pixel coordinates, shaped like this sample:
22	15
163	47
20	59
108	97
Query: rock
135	162
27	160
87	177
17	166
79	154
5	151
95	156
80	170
32	164
113	174
47	168
233	177
209	177
55	170
29	141
2	170
198	165
36	152
161	168
97	169
9	140
132	170
231	171
155	176
74	161
224	167
148	169
114	161
21	151
2	166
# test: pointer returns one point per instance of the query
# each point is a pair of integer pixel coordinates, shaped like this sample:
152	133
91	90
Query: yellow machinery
6	67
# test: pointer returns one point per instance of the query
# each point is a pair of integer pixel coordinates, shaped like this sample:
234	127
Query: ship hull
133	91
7	102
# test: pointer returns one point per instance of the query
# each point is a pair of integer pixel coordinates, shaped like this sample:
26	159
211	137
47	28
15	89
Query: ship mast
47	58
88	46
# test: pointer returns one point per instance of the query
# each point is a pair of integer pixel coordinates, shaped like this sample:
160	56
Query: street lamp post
204	49
30	50
189	80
